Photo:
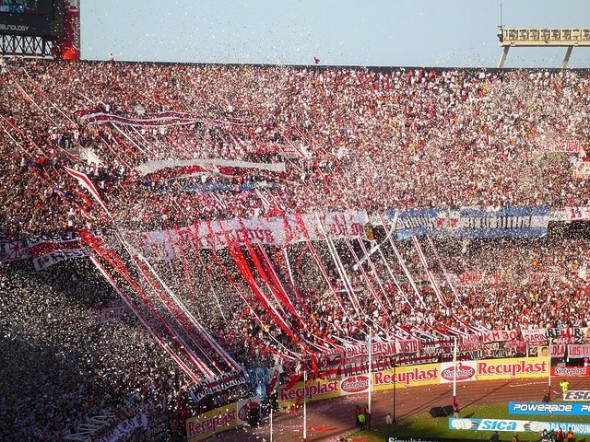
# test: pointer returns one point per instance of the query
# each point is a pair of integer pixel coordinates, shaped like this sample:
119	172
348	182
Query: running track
328	419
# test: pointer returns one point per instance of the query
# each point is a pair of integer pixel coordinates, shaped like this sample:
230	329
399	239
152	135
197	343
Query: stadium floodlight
542	37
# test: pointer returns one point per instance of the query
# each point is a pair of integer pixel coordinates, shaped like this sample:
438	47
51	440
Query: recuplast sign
511	368
414	376
212	422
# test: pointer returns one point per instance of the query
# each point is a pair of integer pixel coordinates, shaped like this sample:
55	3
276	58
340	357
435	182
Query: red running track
326	420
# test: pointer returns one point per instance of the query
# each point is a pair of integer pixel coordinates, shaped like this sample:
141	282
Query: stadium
210	250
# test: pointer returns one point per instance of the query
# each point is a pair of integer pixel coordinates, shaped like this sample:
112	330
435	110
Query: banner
575	351
577	395
315	390
554	408
124	428
462	371
516	222
513	368
216	187
354	385
499	336
276	230
407	376
472	342
576	213
45	251
383	349
13	251
568	335
414	375
182	168
517	426
102	315
581	169
469	279
567	146
205	425
246	407
570	371
217	385
557	351
168	118
535	336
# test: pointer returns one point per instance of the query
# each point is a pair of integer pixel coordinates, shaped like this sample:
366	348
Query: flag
85	182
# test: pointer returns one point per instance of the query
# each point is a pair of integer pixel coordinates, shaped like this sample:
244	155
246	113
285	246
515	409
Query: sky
430	33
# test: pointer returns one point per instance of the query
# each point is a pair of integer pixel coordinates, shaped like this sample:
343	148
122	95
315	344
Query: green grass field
424	426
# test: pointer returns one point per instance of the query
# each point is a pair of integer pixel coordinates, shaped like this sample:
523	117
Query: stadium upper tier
170	144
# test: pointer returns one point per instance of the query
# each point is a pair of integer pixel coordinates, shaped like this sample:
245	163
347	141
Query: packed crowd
68	365
349	139
60	365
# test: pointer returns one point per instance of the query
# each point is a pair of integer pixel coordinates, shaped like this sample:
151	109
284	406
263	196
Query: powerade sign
517	426
577	395
514	222
555	408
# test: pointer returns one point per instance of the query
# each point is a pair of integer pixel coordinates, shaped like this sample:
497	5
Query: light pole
549	351
271	423
370	349
455	372
305	405
394	388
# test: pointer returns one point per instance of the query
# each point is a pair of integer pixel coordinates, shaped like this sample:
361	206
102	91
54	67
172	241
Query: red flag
85	182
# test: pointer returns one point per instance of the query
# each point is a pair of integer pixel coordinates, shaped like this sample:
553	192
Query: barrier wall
221	419
415	376
235	415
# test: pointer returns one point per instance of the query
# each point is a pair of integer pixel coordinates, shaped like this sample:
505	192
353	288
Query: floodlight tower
542	37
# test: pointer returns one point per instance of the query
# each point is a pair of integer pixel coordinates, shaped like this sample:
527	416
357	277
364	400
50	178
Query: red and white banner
569	335
102	315
576	213
124	428
45	253
277	231
478	278
578	351
85	182
13	251
542	351
90	118
568	146
471	342
499	336
287	150
173	169
582	169
535	336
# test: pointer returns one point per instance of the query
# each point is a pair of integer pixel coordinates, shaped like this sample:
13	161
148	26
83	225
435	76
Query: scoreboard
42	18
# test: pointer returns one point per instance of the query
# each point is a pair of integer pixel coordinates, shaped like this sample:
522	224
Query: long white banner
276	231
186	167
